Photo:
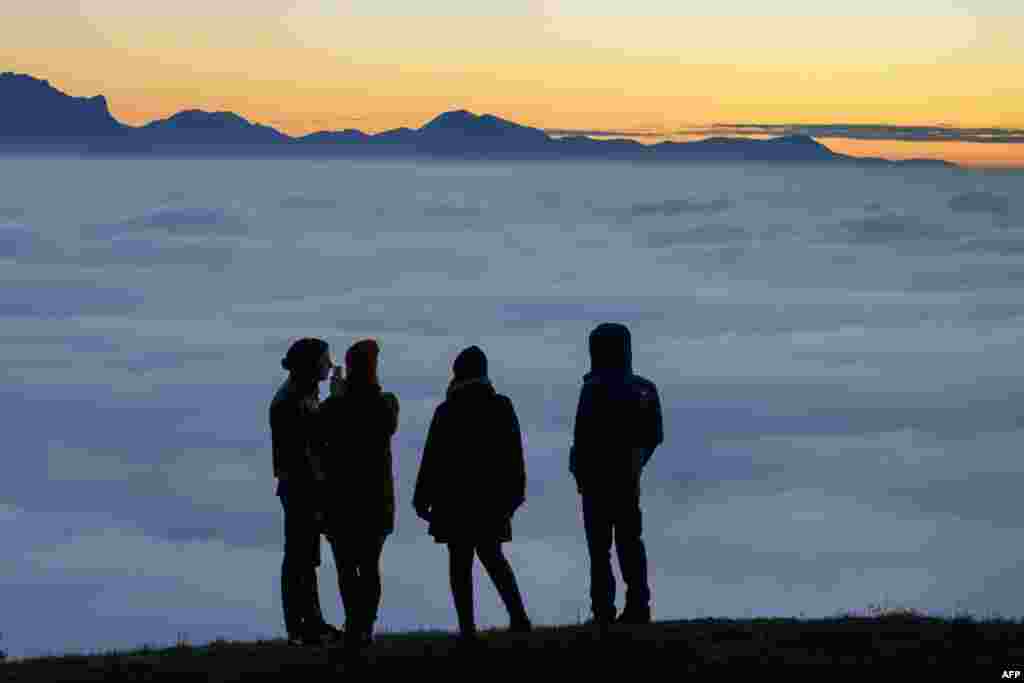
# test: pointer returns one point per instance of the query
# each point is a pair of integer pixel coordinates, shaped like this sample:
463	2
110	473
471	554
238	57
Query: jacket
618	417
359	485
293	434
472	476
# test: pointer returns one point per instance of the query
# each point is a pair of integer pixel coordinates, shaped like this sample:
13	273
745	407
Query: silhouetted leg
500	571
598	527
632	555
298	574
369	579
460	571
289	588
348	580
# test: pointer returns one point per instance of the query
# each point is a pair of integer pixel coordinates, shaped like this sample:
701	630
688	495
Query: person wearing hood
618	426
471	481
357	423
295	445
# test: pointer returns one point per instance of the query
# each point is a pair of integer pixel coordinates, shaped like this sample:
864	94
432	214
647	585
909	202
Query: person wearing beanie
295	445
618	426
357	423
471	481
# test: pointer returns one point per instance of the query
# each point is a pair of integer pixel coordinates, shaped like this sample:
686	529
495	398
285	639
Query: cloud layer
837	354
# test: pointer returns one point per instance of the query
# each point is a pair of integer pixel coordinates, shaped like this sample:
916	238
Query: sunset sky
649	67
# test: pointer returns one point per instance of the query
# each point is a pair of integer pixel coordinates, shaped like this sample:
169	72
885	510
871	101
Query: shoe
635	616
602	615
308	639
358	639
330	634
520	626
601	621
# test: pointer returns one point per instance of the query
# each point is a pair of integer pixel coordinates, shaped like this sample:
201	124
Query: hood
361	363
470	363
611	350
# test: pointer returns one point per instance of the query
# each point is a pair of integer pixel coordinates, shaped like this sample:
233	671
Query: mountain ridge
39	117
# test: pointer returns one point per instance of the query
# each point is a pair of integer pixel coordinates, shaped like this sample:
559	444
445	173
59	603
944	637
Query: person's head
308	360
361	362
611	348
470	364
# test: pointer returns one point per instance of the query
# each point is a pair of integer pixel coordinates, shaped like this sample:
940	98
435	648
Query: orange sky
312	68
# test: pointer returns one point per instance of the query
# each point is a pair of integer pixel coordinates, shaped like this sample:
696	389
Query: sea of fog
838	353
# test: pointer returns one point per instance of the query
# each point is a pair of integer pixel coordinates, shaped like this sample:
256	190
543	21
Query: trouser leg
299	596
290	587
370	580
632	554
500	571
460	572
348	579
598	527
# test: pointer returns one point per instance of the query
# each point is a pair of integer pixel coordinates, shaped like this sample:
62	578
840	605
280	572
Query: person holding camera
356	424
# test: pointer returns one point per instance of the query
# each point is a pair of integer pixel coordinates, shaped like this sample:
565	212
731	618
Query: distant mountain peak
457	118
798	139
33	108
202	117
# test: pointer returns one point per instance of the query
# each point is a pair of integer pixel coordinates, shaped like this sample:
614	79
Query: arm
315	423
517	461
276	445
579	427
389	476
656	426
422	499
392	418
282	436
389	492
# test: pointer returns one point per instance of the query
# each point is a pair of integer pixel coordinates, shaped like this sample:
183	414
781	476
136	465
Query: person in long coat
472	480
357	423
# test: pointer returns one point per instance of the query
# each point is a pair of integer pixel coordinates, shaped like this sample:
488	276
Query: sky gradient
307	65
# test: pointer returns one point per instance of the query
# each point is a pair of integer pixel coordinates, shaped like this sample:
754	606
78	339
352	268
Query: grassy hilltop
669	646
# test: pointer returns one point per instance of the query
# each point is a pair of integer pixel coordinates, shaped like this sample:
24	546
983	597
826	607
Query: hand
638	460
337	386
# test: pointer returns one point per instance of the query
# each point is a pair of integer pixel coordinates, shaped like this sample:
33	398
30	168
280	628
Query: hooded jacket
472	476
618	417
356	427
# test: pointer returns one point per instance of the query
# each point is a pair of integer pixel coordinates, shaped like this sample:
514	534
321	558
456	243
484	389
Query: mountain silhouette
38	118
194	126
33	109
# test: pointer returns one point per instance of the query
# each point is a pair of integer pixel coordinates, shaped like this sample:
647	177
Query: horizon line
876	132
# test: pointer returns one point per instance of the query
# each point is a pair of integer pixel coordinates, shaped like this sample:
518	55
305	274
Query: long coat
356	429
472	476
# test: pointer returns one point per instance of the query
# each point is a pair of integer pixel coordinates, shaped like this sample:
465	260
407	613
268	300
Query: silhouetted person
618	426
293	429
472	479
358	421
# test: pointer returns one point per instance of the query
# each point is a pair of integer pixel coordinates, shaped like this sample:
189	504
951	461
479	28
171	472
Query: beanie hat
304	355
469	364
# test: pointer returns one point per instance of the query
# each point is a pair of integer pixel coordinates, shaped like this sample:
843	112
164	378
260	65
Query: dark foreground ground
662	649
